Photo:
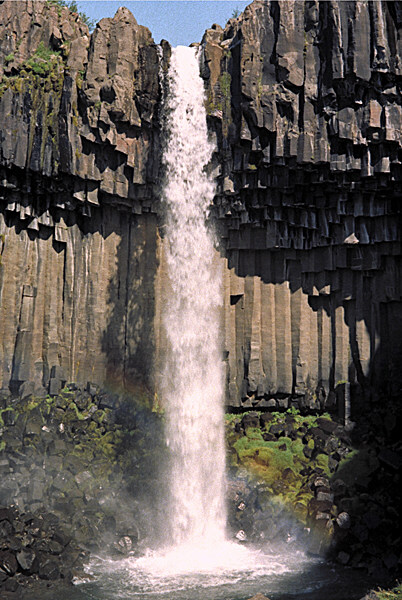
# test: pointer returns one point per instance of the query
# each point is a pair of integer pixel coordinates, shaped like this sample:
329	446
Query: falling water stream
192	383
196	561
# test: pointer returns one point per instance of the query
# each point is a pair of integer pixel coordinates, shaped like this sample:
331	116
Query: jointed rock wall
79	162
304	100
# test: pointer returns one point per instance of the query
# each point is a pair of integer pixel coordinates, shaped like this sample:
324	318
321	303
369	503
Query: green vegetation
268	459
73	7
90	433
2	411
9	58
225	81
393	594
43	62
80	78
235	13
41	76
211	107
278	460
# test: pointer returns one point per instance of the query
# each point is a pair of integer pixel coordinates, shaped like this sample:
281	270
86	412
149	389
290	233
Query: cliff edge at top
79	105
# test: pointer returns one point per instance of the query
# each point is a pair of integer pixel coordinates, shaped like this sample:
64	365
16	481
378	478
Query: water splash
193	382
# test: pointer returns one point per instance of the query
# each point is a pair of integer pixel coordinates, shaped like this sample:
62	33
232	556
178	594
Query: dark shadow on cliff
128	341
367	486
361	279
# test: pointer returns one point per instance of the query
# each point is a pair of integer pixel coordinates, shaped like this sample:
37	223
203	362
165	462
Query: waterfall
193	380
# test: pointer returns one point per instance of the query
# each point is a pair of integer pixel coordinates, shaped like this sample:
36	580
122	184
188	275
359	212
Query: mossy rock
321	461
83	451
98	416
268	461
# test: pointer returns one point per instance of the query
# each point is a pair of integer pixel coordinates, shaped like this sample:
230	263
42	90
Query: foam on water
190	569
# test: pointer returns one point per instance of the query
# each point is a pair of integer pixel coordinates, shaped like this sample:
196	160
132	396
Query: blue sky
178	21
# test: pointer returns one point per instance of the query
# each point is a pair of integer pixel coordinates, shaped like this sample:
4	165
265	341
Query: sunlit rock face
304	101
304	98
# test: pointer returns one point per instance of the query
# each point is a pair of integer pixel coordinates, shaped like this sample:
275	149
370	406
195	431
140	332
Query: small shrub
43	61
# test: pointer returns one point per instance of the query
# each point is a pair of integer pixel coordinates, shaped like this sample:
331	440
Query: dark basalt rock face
305	100
75	470
35	547
79	162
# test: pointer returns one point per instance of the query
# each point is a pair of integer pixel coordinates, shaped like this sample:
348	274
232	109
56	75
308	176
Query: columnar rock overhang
79	162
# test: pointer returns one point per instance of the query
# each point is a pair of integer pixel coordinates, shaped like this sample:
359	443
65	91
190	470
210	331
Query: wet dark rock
322	495
326	425
266	418
372	519
124	545
343	558
267	436
277	429
8	563
73	482
6	528
49	569
390	459
308	451
343	520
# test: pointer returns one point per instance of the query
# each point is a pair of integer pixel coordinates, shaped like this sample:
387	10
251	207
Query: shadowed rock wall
305	101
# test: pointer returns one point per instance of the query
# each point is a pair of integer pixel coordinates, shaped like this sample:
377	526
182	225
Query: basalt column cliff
304	100
79	167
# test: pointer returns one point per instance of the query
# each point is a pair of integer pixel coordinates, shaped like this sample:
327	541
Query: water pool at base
229	572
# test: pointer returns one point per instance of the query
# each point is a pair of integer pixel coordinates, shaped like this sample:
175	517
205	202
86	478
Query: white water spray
193	381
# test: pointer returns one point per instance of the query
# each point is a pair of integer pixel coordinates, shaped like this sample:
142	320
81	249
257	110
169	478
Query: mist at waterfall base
194	559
